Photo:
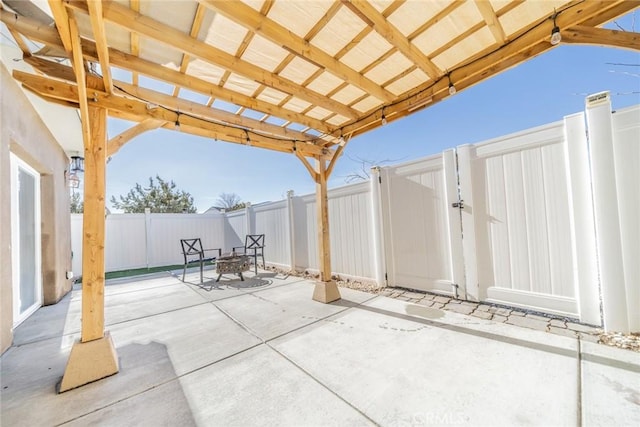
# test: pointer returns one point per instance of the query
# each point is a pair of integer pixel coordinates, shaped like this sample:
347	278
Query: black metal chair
192	252
254	247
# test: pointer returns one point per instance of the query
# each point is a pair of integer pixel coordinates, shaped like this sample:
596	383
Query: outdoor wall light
77	164
177	126
383	119
73	181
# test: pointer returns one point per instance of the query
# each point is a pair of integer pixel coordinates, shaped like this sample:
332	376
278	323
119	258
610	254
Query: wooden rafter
135	39
378	22
271	30
189	124
529	44
195	29
44	34
77	61
61	18
601	37
97	25
491	19
148	27
209	113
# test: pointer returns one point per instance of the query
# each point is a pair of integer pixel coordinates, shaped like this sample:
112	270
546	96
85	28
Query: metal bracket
459	205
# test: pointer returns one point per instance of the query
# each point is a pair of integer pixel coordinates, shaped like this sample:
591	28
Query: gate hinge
459	204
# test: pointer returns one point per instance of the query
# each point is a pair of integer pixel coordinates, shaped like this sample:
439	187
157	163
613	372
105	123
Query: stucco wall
23	133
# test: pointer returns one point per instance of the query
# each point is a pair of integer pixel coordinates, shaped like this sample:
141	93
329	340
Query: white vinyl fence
545	219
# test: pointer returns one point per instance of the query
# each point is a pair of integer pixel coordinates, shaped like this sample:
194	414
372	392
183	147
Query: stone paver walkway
542	322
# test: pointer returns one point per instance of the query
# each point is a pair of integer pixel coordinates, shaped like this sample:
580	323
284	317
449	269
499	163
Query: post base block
88	362
326	292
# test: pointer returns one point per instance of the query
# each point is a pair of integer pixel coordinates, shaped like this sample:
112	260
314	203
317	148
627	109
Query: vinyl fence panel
272	220
626	147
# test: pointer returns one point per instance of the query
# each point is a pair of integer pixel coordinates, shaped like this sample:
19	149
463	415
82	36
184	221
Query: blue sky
540	91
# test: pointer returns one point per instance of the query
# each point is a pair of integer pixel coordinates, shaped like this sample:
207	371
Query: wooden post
93	229
326	290
94	356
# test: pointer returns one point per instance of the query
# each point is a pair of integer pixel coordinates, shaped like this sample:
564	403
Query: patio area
262	352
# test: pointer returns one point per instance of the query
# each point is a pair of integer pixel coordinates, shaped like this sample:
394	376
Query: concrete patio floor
262	352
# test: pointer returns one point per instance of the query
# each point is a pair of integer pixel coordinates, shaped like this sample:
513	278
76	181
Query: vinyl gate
488	222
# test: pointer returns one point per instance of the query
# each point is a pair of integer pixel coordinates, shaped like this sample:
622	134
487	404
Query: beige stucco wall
23	133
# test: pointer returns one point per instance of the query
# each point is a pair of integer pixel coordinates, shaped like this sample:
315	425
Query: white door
25	240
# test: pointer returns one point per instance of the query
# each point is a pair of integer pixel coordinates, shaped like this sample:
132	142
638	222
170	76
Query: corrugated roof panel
325	83
298	70
298	17
389	68
160	53
205	71
478	41
526	12
117	37
264	54
337	120
408	82
372	47
256	4
318	113
447	29
272	95
241	84
296	104
348	94
224	34
413	13
367	104
340	31
180	18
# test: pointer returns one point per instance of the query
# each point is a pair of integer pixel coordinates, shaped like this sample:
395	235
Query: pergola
303	77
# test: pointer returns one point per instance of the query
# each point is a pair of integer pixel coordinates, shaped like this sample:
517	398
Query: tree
230	202
365	165
160	197
76	203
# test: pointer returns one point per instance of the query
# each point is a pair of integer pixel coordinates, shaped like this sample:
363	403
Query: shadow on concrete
146	391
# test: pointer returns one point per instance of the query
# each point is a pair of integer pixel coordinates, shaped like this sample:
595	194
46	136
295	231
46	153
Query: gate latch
459	204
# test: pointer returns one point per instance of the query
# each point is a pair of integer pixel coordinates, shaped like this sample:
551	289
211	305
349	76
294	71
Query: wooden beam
307	165
529	44
134	108
491	19
135	40
77	61
169	36
325	290
63	72
93	227
20	42
379	23
37	31
195	29
271	30
61	18
121	139
100	37
209	113
601	37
